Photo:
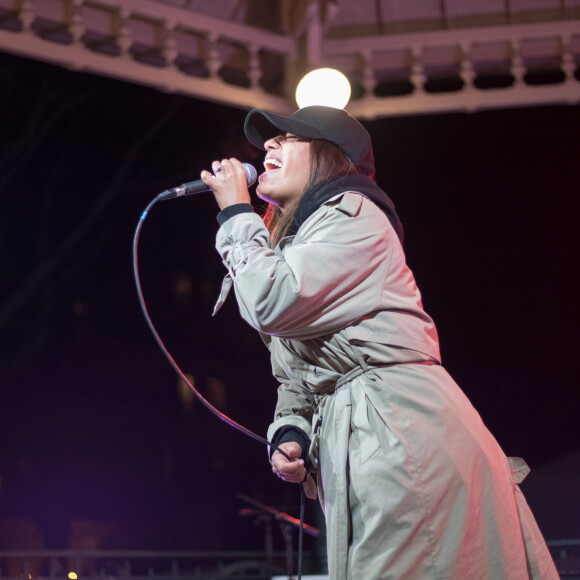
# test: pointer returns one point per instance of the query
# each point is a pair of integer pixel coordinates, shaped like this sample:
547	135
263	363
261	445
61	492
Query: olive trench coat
411	482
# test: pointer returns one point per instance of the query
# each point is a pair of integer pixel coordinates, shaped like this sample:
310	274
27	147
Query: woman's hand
229	182
292	470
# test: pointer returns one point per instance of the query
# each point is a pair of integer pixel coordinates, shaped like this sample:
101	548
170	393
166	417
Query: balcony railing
178	50
142	565
190	565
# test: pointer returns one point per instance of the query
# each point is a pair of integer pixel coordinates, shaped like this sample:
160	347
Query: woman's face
287	164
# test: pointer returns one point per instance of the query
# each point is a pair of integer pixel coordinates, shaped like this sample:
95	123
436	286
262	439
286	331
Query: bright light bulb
323	86
72	575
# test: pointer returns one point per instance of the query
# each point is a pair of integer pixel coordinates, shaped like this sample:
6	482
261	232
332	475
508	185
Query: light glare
323	86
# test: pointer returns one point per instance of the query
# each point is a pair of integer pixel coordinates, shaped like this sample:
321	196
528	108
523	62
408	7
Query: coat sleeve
294	408
328	277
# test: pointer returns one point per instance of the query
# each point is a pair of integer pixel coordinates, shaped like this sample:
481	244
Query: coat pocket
364	429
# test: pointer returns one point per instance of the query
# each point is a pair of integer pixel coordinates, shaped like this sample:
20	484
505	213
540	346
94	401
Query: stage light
323	86
72	576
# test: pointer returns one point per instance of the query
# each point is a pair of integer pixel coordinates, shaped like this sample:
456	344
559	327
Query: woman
411	482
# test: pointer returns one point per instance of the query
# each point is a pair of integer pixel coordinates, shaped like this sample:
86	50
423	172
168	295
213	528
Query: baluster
568	65
124	39
76	25
26	15
169	49
418	77
255	68
369	81
466	71
517	67
213	61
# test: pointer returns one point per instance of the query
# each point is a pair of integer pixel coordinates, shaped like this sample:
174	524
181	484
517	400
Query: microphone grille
251	173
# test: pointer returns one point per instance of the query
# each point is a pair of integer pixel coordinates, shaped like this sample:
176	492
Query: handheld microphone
193	187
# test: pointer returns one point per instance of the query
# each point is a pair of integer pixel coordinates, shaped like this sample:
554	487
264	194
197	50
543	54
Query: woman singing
412	483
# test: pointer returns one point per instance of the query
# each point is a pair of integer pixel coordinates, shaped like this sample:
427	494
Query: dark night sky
91	425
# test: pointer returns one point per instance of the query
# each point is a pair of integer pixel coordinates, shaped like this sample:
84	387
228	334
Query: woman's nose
271	144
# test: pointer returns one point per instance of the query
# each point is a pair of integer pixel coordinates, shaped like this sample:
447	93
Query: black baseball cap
316	122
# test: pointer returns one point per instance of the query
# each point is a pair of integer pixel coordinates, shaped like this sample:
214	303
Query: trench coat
411	482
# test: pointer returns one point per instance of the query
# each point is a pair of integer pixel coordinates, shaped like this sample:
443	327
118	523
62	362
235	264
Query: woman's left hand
228	183
292	469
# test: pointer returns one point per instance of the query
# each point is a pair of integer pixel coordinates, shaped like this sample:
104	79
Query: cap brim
262	125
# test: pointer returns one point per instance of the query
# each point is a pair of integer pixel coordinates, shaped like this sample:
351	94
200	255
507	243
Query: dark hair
326	161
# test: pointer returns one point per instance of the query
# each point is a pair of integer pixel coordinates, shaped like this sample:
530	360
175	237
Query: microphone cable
222	416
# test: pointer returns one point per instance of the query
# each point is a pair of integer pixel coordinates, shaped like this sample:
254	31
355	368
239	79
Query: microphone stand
267	514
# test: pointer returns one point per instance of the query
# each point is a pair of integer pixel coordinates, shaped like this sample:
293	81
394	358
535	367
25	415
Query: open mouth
271	164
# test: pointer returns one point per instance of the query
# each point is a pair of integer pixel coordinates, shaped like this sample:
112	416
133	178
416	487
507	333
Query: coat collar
321	192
